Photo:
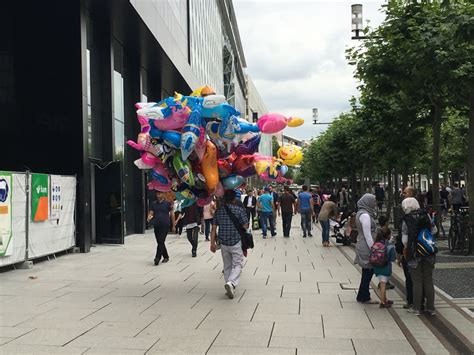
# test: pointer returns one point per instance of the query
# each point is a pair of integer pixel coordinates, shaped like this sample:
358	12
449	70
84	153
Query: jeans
232	258
286	218
364	294
422	276
306	222
160	235
193	236
325	230
207	230
267	217
408	281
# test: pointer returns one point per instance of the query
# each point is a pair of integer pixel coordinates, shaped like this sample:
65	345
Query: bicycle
437	220
459	237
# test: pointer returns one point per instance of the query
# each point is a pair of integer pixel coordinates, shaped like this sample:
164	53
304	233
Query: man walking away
379	196
457	196
305	206
265	205
287	209
229	239
276	203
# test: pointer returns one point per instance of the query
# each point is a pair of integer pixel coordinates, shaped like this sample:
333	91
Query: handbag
245	237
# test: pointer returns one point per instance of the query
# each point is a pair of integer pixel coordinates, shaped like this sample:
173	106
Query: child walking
383	273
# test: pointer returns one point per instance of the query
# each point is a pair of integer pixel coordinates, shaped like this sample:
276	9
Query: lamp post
357	25
316	116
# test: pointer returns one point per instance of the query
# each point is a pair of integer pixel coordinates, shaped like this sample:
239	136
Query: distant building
70	74
292	140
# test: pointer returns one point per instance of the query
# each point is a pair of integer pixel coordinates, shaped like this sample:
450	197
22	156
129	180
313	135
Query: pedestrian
192	216
343	199
208	214
328	211
160	215
250	202
384	272
276	202
178	218
421	267
288	209
226	234
380	196
457	197
365	239
316	204
265	204
305	207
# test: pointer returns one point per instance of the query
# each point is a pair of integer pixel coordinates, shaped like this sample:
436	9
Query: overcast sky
295	53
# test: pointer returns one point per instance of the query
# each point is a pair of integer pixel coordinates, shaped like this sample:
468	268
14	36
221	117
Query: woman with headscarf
421	268
365	222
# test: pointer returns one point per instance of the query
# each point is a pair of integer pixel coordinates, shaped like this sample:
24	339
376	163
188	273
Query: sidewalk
295	297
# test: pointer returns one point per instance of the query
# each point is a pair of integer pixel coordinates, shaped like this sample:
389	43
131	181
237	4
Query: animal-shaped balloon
243	162
274	122
191	131
160	175
242	127
183	169
201	144
290	154
176	120
250	146
146	143
171	138
209	166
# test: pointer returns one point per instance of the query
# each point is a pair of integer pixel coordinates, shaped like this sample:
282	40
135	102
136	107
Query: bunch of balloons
195	146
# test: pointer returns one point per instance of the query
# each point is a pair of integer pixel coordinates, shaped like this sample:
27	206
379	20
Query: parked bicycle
459	237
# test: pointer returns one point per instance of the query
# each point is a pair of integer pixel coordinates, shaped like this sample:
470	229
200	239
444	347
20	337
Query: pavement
295	297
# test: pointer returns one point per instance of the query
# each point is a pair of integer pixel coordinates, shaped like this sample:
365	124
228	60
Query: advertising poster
5	212
39	197
55	199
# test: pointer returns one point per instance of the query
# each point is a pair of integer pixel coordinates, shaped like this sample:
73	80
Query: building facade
70	74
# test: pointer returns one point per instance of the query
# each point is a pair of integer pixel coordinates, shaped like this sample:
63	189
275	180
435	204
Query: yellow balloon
295	121
197	92
290	154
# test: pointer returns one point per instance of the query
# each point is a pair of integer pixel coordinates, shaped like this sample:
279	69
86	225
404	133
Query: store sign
5	212
39	197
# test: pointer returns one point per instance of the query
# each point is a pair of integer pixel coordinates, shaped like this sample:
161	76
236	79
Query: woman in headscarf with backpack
365	222
420	262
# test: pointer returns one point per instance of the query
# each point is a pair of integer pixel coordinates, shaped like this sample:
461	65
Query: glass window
119	138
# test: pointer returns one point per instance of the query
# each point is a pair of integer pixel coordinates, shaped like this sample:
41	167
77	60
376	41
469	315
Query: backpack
425	243
378	254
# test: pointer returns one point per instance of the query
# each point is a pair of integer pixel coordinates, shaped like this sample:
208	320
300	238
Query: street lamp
357	20
315	118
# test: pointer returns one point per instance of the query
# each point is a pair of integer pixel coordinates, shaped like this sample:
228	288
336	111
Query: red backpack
378	254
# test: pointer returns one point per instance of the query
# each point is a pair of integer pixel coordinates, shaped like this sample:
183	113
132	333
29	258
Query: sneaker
389	301
194	254
407	306
229	290
165	260
413	311
264	236
385	305
310	235
430	312
304	236
156	262
207	239
274	235
390	286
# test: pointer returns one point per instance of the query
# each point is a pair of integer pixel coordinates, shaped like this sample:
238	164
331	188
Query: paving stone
246	350
317	344
22	349
368	346
57	337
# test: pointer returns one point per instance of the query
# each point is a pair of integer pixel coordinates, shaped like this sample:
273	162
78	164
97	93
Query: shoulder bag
246	238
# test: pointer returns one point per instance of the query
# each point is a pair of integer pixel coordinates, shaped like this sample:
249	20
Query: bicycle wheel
452	238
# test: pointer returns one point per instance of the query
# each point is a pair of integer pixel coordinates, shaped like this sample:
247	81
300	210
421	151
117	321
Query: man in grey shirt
457	197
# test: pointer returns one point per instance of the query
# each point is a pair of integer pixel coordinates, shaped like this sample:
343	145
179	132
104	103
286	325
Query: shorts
383	278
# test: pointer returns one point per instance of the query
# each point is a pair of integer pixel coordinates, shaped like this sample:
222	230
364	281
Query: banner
39	197
55	202
5	212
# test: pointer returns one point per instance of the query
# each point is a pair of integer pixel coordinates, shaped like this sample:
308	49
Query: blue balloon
232	182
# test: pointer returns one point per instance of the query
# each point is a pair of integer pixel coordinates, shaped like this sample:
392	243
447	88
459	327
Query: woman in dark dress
160	215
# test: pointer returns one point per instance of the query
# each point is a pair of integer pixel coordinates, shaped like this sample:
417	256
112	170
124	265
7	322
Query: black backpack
415	222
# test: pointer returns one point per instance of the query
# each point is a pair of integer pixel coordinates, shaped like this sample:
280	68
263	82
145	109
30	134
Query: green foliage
275	146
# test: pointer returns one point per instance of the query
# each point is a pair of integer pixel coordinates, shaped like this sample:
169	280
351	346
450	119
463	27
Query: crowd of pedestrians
224	223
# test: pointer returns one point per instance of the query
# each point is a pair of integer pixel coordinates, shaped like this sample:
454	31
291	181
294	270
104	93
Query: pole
27	214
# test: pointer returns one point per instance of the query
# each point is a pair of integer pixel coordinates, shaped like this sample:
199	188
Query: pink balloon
272	123
177	120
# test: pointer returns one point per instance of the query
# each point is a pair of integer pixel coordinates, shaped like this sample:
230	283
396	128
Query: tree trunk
437	112
362	178
470	167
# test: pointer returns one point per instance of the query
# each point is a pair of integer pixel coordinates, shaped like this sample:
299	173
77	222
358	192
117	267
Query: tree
275	146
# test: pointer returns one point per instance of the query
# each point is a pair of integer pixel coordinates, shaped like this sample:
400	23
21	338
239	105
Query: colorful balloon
295	121
232	182
290	154
191	131
209	166
183	169
250	146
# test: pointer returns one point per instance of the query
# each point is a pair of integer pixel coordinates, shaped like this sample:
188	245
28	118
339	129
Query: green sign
39	197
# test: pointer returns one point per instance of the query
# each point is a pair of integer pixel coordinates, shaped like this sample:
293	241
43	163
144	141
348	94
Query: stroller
344	237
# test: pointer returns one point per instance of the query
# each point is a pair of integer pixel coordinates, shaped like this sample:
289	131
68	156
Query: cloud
295	53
